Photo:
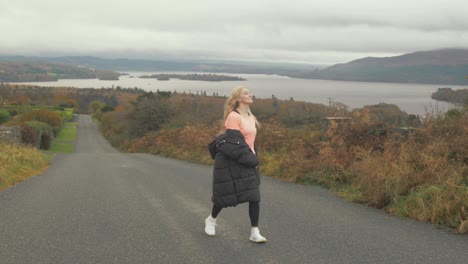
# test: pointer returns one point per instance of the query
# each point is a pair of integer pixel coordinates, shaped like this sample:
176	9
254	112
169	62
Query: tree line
38	72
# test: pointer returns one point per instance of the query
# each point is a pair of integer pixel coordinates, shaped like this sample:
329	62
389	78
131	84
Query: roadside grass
68	132
17	163
65	139
69	113
325	178
58	147
429	203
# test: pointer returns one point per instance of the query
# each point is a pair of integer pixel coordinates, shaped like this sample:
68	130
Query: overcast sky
309	31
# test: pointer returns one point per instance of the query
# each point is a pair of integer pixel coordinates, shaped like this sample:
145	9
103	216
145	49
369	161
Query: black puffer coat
235	176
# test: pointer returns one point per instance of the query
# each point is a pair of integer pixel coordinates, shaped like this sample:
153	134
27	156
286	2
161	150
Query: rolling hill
24	71
447	66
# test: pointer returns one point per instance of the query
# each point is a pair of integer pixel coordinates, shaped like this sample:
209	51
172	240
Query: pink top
246	125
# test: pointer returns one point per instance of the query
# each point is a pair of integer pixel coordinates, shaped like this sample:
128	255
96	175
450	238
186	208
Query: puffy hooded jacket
235	175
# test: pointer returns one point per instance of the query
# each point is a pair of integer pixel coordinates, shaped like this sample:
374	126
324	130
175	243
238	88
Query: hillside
15	71
448	66
122	64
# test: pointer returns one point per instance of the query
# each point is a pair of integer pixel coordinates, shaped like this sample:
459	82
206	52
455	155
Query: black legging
254	212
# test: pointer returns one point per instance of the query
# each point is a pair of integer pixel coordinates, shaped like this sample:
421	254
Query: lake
412	98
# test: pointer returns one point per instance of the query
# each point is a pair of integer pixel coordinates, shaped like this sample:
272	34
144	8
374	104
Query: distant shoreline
412	98
193	77
458	97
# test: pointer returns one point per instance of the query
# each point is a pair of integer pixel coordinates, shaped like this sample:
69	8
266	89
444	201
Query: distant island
453	96
193	77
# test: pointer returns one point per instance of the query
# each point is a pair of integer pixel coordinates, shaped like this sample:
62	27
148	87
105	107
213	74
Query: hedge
37	134
52	118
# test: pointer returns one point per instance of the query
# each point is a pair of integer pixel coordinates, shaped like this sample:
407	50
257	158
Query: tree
5	92
151	111
95	105
20	99
72	103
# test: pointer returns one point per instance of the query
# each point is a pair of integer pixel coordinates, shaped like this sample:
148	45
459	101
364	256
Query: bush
46	141
4	116
29	135
107	108
151	111
53	119
69	112
37	134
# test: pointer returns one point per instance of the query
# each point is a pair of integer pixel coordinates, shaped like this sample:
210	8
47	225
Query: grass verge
17	163
68	132
59	147
64	141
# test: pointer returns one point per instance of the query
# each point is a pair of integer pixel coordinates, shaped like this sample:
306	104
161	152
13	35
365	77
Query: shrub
37	134
46	141
107	108
191	141
4	116
151	111
94	106
98	114
29	135
68	113
53	119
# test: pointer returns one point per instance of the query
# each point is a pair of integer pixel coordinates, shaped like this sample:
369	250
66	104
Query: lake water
412	98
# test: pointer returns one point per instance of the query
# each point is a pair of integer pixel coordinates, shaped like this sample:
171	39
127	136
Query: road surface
98	205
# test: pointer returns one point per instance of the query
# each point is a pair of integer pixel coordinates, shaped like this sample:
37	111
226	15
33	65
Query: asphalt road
101	206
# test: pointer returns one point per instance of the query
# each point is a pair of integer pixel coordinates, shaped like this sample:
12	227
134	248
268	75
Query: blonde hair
232	103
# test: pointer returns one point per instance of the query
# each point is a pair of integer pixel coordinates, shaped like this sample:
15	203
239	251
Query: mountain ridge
445	66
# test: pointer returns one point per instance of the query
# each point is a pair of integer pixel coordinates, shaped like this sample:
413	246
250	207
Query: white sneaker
256	237
210	226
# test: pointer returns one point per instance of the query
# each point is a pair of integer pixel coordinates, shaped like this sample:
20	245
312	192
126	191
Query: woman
235	176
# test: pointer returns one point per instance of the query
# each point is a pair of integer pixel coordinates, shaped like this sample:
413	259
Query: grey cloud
312	31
